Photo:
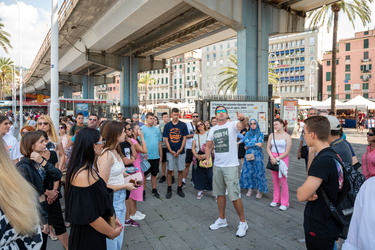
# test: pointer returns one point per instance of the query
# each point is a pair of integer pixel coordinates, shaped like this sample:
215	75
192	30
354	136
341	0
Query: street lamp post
199	81
312	73
270	55
20	62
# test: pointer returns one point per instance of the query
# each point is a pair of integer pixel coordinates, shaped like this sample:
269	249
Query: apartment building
296	58
354	67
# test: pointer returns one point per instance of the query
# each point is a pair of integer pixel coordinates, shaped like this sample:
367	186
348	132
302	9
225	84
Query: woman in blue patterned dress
253	173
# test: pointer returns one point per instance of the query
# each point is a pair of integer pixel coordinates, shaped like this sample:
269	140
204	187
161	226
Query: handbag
250	157
209	163
145	166
273	167
304	152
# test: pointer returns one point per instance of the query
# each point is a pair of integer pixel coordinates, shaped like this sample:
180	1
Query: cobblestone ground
182	223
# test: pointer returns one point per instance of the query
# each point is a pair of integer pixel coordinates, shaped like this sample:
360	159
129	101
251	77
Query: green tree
230	83
6	76
328	15
4	38
147	80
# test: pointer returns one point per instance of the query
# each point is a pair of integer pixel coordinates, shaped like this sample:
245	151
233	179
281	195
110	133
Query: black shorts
164	156
154	169
189	156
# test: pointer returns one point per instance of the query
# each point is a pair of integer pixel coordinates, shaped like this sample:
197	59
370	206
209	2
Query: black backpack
343	210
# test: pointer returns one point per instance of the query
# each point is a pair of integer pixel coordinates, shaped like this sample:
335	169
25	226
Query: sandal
249	193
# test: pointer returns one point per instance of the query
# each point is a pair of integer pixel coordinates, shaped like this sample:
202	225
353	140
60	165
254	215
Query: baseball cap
334	122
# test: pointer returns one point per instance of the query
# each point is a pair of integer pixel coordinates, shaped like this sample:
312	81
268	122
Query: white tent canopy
358	102
326	104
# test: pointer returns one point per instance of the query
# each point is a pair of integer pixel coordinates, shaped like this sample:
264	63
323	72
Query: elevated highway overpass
98	38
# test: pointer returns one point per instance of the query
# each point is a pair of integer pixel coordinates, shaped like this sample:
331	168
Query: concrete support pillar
252	60
68	92
88	87
129	86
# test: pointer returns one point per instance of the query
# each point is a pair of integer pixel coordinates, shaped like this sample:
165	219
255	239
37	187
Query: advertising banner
290	112
256	110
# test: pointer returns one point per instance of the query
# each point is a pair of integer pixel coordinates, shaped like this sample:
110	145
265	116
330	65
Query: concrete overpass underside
94	36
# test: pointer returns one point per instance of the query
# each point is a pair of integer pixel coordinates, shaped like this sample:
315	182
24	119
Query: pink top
137	194
368	163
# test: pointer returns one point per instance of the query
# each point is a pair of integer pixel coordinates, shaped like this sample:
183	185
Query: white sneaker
148	178
273	204
242	228
283	208
140	214
136	217
218	224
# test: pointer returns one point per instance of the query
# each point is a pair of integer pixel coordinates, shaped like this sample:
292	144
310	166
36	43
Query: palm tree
6	76
230	83
147	80
4	38
329	14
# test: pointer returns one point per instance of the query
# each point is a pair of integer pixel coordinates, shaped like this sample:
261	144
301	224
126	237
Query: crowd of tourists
102	166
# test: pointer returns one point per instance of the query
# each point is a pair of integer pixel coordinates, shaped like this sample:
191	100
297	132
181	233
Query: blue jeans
120	209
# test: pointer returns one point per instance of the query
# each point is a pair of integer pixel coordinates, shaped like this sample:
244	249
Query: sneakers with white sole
136	217
283	208
242	228
219	223
140	214
273	204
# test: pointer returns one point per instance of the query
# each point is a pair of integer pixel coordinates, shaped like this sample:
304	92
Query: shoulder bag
200	152
273	167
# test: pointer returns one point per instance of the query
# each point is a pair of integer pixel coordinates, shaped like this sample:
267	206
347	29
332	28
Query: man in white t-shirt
223	138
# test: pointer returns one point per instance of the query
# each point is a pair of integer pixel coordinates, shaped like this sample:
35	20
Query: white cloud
35	23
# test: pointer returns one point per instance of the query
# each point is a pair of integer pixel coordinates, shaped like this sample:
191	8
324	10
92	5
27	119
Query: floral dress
253	173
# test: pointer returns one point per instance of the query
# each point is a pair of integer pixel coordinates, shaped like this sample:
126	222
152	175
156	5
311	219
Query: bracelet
42	161
241	120
277	158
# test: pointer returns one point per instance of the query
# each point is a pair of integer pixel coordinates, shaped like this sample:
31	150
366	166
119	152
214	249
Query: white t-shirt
198	138
13	146
191	130
224	138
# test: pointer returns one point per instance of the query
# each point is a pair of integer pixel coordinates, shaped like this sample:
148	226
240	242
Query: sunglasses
221	111
198	125
90	119
100	142
128	129
135	116
61	127
80	118
252	123
370	134
195	116
43	123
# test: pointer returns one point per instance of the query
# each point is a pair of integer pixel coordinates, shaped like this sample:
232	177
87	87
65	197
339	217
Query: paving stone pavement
182	223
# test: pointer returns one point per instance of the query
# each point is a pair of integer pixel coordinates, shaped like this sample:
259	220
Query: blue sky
36	19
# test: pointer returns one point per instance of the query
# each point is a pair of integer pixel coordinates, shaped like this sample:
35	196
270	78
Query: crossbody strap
273	137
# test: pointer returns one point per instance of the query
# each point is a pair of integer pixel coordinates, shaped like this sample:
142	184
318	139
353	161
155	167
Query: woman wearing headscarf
253	174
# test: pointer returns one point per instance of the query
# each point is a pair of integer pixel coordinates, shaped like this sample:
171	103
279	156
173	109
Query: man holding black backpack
325	173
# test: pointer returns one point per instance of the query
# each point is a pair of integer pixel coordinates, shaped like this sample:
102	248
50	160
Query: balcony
366	60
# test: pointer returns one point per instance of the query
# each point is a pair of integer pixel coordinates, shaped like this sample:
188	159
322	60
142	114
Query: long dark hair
83	154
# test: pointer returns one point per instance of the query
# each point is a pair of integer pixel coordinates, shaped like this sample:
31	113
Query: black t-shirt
318	220
127	151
